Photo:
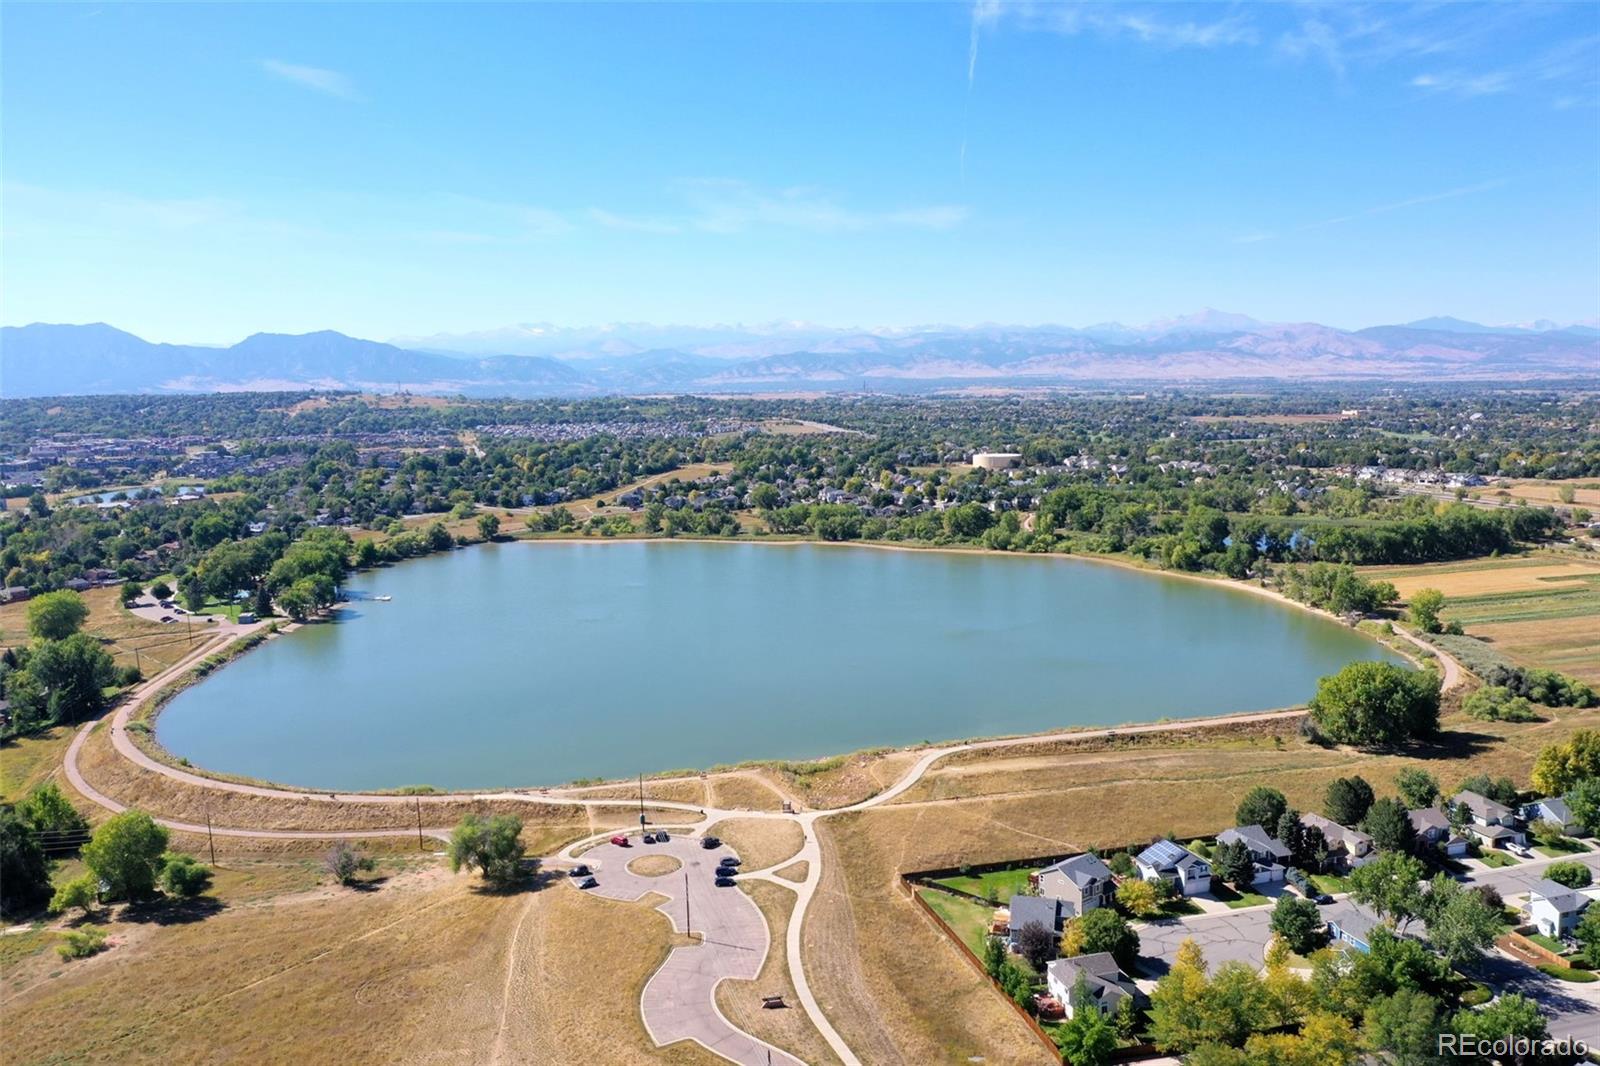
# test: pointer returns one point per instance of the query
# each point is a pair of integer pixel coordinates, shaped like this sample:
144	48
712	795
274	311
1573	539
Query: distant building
996	460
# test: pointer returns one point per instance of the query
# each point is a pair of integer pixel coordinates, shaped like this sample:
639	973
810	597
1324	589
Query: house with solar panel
1166	861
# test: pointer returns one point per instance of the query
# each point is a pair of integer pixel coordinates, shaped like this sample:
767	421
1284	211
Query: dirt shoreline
155	750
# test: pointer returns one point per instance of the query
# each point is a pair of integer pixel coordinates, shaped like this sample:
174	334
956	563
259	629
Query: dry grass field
840	782
131	641
29	761
743	791
759	842
1535	574
654	865
795	871
788	1028
1571	645
1585	491
678	790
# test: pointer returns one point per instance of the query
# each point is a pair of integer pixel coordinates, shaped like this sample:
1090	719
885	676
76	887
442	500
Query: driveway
679	1001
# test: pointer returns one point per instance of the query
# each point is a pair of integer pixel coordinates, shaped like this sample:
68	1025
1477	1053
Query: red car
620	841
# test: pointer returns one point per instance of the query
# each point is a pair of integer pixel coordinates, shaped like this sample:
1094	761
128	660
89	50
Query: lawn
1567	973
1564	846
1547	942
969	920
1003	883
1179	906
1330	883
1495	859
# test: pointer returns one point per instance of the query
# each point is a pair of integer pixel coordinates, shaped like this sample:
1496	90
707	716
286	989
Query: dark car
1323	899
661	837
729	863
579	870
723	881
649	838
588	882
710	842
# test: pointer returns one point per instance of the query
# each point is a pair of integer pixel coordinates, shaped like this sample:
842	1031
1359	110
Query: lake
535	664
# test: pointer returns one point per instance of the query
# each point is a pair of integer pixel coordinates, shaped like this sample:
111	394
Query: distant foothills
541	360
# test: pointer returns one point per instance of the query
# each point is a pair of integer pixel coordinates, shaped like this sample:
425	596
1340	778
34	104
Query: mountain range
542	360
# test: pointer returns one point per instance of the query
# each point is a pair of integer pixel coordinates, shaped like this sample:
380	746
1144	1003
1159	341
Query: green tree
61	681
1261	806
1232	864
1390	886
1509	1016
1463	926
1299	922
1388	823
1405	1026
1377	705
1424	609
183	876
130	592
24	870
1583	799
1088	1038
488	526
994	956
1588	936
1101	929
1346	800
56	615
82	892
126	854
493	845
161	590
47	809
1500	789
1417	787
1036	942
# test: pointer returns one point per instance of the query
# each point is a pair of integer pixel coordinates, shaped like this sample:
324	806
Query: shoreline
151	747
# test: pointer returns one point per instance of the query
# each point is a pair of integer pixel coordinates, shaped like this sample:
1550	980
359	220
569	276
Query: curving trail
810	850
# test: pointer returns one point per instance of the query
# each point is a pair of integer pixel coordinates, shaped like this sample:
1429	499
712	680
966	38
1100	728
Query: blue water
529	664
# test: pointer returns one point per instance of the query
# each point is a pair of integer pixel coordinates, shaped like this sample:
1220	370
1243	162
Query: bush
81	943
1495	703
344	862
81	892
182	876
1571	874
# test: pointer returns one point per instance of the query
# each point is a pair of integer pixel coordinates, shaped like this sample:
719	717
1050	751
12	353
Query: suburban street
1242	935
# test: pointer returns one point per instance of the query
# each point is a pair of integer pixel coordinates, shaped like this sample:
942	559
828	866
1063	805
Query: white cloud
319	79
1458	84
1380	209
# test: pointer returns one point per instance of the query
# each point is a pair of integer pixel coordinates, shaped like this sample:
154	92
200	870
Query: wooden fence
1517	944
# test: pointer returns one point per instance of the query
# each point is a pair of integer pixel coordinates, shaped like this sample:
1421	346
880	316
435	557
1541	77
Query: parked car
723	881
649	838
167	618
710	842
661	837
729	863
579	870
588	882
1519	849
621	841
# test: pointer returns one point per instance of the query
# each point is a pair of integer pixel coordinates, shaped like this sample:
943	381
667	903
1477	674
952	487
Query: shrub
81	943
1375	705
1495	703
182	876
1571	874
344	862
81	892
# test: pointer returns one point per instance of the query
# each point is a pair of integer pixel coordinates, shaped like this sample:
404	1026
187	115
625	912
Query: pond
539	663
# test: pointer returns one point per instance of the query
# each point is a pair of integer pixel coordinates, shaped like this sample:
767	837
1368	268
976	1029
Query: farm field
1541	609
1585	491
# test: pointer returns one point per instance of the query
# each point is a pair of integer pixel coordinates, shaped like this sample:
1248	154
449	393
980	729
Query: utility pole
688	927
641	801
419	823
211	841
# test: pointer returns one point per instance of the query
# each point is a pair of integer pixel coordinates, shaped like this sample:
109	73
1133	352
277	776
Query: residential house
1103	980
1553	809
1554	908
1433	829
1269	853
1351	847
1050	913
1166	861
1493	823
1083	881
1352	924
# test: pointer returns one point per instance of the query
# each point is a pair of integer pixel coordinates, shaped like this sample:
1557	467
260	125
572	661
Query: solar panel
1162	853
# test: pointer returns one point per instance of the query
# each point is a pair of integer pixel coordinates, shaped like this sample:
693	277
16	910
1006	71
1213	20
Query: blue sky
201	173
